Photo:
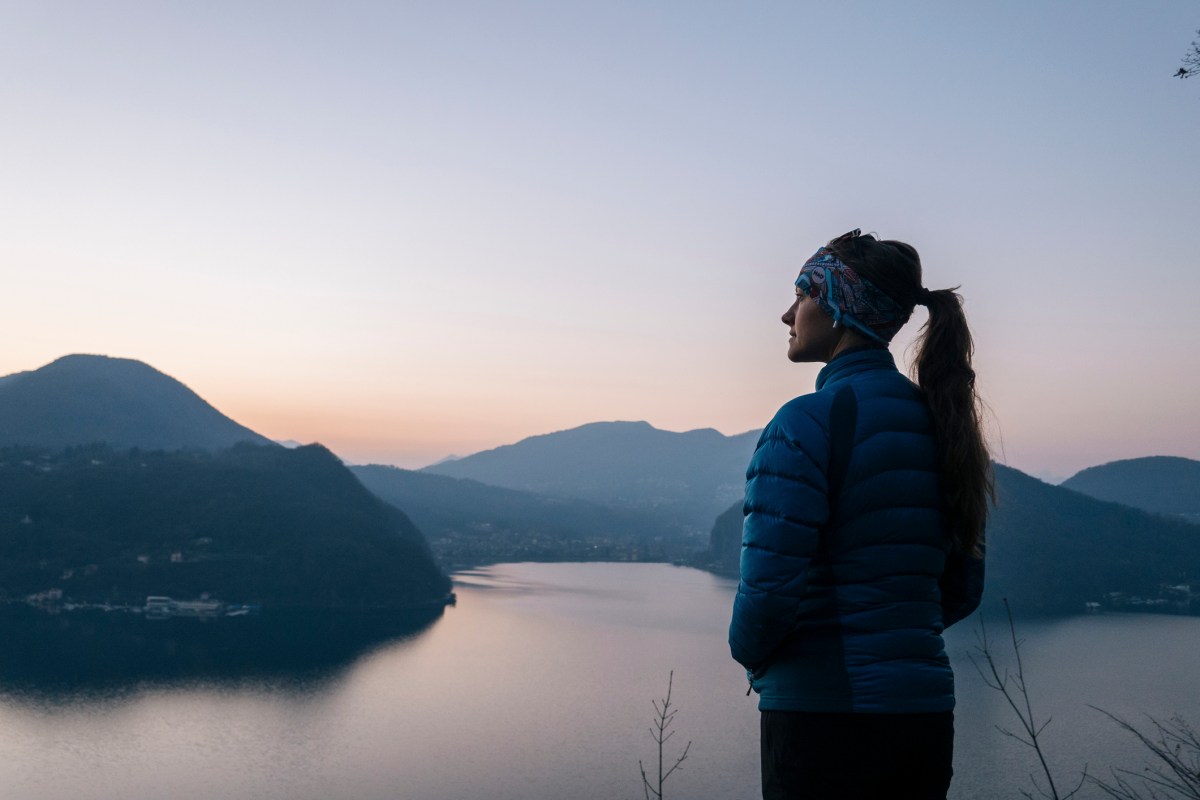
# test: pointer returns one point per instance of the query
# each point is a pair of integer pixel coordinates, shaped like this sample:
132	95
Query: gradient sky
412	229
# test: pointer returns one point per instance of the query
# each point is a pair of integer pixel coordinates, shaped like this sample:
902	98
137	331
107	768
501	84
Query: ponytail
944	373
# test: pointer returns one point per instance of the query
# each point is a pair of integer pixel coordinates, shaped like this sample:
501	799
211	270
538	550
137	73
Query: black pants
856	756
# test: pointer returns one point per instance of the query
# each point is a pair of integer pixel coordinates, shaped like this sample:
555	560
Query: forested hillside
283	527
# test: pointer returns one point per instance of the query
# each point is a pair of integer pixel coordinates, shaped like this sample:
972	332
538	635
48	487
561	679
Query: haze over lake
538	685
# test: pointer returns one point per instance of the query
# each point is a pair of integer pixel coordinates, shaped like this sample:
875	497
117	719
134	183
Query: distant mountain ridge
1162	484
469	523
686	477
88	399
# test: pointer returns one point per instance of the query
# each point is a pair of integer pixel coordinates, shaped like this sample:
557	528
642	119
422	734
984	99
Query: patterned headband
850	299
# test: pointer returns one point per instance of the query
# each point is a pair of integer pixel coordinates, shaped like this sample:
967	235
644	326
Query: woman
863	537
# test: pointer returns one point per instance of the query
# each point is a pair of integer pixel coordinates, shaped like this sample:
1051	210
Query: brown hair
944	373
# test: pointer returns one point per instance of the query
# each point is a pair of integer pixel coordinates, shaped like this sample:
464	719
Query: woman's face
812	334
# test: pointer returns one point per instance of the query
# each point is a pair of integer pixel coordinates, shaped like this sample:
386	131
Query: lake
537	685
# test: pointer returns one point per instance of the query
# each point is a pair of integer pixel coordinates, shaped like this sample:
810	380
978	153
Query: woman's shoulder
799	419
808	417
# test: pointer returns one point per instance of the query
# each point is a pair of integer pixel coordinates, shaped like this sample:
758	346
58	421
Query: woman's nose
789	316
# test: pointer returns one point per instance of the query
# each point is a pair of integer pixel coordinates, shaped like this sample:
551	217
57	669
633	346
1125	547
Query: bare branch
1016	693
1177	749
664	718
679	760
1191	60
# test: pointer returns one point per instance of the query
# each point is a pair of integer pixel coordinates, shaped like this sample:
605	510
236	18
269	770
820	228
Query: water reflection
93	652
502	582
537	685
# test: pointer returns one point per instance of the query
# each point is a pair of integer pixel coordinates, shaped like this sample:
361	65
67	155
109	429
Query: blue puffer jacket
847	579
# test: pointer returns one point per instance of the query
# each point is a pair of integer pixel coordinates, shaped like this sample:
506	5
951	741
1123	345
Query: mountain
287	528
1163	484
85	399
1052	549
725	540
681	478
468	522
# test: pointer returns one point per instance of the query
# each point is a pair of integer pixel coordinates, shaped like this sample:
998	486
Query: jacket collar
853	361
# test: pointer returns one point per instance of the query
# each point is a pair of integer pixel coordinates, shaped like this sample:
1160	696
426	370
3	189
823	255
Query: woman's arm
962	587
786	505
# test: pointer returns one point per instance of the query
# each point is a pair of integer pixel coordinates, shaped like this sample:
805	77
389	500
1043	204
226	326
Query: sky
412	229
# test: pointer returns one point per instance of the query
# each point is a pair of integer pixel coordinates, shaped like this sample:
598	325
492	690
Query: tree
663	718
1191	60
1174	773
1016	692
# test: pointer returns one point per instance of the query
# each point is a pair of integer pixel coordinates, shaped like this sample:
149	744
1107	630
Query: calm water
537	685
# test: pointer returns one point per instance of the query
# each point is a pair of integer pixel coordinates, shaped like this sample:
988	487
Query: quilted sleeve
786	505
